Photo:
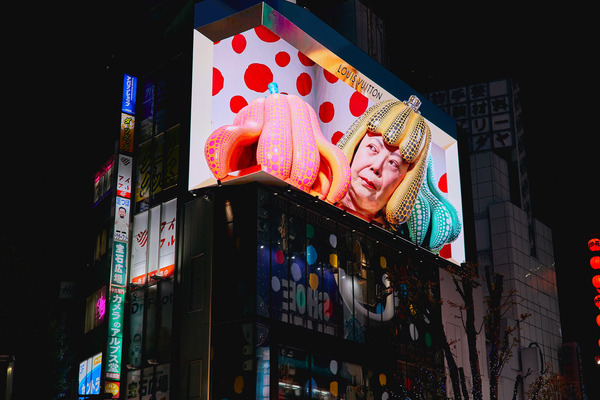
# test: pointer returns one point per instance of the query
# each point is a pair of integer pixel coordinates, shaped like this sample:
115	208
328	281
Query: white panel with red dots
246	63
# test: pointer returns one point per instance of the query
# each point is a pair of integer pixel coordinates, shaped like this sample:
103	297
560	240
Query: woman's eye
394	164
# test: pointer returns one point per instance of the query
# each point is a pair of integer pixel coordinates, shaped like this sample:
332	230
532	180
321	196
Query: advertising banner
127	132
124	176
122	206
119	264
282	103
153	250
89	375
129	94
139	248
168	218
153	240
115	333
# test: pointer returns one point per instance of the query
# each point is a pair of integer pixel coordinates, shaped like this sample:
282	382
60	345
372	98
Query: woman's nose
377	164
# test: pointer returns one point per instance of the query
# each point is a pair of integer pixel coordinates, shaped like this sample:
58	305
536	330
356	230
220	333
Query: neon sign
129	89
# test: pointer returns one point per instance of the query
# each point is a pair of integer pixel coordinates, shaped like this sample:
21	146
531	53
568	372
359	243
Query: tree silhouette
424	295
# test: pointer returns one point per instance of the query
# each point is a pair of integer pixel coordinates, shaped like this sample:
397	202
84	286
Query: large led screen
244	76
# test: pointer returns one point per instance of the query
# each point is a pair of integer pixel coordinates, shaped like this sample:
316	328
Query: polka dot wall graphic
333	240
279	257
275	284
246	63
295	272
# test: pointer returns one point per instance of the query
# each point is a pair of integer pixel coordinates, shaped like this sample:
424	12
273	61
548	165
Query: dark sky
64	61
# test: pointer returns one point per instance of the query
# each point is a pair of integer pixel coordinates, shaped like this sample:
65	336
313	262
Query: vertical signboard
115	333
121	244
119	264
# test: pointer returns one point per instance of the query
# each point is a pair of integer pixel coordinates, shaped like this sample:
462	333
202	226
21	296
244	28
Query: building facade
508	238
252	288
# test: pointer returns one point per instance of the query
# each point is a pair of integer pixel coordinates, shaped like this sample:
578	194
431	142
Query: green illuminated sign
115	333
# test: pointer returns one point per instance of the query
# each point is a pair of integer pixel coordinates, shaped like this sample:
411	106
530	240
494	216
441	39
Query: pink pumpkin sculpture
280	133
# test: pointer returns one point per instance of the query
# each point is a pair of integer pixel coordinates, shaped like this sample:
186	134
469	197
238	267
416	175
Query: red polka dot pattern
336	137
218	81
238	44
257	77
282	59
358	104
305	60
304	84
331	78
237	103
446	251
265	34
246	63
326	112
443	183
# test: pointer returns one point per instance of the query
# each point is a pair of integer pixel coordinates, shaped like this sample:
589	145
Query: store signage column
120	253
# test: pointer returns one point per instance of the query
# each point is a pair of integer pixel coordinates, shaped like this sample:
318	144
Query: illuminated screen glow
241	67
89	375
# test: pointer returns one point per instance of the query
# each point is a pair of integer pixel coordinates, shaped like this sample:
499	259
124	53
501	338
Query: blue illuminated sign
129	90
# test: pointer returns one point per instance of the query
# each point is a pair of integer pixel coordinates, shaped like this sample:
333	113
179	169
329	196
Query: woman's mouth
368	183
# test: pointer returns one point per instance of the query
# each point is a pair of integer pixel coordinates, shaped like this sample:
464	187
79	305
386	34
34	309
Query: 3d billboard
329	117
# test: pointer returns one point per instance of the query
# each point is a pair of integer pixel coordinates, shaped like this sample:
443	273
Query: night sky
65	64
